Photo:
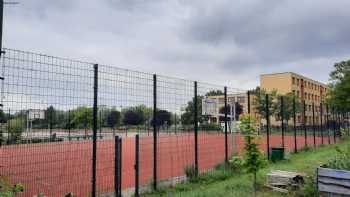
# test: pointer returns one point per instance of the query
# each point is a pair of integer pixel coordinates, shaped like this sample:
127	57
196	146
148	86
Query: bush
341	160
7	189
211	127
15	130
235	163
190	172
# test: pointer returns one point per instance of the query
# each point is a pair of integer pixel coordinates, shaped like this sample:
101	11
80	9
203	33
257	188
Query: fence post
120	166
295	126
69	134
313	124
100	129
282	120
9	137
1	23
155	178
195	129
321	121
248	94
137	165
116	166
226	109
348	123
267	126
327	120
339	123
304	123
334	125
94	128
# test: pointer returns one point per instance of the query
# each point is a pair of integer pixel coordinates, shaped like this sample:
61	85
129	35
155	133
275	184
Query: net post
282	120
313	124
226	142
267	125
321	121
295	126
94	143
304	123
137	165
155	176
196	128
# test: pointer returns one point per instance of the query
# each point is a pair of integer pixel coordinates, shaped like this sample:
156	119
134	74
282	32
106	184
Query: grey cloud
222	41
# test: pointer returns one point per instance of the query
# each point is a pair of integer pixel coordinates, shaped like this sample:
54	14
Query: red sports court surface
58	168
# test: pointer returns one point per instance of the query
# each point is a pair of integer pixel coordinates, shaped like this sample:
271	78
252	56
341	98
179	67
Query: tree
339	95
82	117
16	128
253	158
3	117
133	117
288	111
113	118
50	117
214	93
260	101
238	107
163	117
340	70
187	118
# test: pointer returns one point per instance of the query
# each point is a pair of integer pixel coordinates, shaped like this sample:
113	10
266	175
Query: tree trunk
254	184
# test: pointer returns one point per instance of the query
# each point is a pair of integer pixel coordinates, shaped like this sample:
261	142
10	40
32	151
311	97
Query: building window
293	80
298	82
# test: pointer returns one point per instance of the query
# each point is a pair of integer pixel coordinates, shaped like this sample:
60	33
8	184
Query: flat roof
293	73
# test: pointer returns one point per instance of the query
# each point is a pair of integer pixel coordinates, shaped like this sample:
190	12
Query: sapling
253	158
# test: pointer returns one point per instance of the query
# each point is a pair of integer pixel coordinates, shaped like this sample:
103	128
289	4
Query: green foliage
3	117
340	69
339	95
16	128
236	163
238	107
113	118
253	158
248	124
210	127
287	106
50	115
341	160
187	118
163	118
82	117
190	172
260	101
214	93
9	190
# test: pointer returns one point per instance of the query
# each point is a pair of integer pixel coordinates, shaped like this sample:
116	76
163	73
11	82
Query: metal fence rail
72	126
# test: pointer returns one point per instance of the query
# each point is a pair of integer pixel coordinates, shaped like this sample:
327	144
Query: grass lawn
220	183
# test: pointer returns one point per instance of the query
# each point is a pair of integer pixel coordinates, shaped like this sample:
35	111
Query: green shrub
15	130
190	172
235	163
210	127
9	190
341	160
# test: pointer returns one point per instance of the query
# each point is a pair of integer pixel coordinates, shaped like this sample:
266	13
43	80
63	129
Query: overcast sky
224	42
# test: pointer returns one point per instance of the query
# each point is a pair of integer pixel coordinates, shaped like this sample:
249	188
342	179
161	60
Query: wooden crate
334	182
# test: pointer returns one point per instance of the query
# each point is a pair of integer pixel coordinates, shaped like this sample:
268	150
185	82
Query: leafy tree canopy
339	95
